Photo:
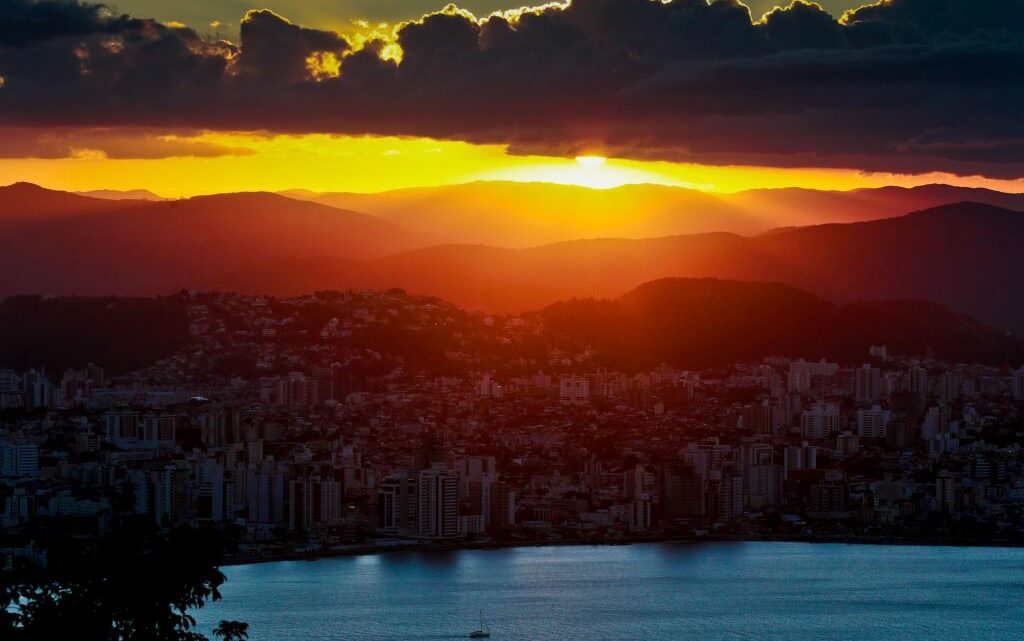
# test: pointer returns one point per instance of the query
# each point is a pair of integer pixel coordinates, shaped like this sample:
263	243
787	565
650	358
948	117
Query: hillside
118	194
120	334
708	322
156	247
964	256
507	214
25	203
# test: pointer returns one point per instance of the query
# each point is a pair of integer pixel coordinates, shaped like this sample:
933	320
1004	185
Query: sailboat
483	631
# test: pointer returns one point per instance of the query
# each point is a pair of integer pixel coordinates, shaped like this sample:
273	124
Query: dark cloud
118	144
903	85
276	51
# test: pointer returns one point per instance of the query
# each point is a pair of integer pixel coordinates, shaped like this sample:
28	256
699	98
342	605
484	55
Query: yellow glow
370	164
591	161
323	65
594	172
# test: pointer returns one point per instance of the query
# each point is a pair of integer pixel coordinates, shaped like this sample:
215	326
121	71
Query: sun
591	161
595	172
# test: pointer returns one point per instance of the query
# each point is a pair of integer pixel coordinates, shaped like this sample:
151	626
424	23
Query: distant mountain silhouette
131	247
28	203
964	256
707	322
116	194
509	214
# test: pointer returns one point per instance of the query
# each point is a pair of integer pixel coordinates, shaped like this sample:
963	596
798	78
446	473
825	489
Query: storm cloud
902	85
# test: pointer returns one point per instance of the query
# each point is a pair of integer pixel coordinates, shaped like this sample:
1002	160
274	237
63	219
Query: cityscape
308	426
525	320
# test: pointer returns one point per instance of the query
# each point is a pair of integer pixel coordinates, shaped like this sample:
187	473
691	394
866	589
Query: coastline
434	547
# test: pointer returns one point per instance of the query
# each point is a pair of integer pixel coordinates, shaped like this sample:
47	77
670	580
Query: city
411	320
292	425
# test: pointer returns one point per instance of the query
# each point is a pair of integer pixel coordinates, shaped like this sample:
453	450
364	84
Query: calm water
670	592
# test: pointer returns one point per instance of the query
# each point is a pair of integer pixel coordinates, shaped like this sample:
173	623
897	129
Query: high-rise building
77	385
763	486
799	457
37	389
158	430
19	459
917	380
503	506
1018	385
574	390
948	386
821	369
680	492
873	423
868	384
820	421
122	427
438	497
397	505
946	493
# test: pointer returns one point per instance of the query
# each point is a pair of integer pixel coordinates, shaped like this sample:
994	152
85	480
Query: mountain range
66	243
963	255
511	214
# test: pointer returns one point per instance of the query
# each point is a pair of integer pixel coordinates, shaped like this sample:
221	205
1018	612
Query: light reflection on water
720	591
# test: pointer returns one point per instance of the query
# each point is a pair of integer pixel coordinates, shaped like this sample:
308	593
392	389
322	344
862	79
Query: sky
340	15
368	95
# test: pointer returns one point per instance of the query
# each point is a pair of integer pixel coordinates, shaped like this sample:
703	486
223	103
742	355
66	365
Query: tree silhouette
137	584
232	631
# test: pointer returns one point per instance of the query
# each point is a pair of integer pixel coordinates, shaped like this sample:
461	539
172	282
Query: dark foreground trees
232	631
136	584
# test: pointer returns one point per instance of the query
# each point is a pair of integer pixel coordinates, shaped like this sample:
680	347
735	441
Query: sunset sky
201	96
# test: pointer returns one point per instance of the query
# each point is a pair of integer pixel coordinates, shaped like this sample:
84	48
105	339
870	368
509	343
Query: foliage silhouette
136	584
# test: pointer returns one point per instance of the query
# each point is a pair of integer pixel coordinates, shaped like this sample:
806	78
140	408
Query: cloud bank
902	85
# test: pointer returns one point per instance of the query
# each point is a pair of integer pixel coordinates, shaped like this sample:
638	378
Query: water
671	592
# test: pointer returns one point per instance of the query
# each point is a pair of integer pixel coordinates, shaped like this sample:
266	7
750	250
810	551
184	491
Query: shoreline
433	547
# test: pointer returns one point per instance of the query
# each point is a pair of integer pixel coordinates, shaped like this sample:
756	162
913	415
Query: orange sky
369	164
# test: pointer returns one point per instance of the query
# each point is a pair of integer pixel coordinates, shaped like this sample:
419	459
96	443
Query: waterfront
717	591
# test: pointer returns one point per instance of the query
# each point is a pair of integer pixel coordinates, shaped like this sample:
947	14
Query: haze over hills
132	247
512	214
118	194
958	255
690	323
25	203
708	322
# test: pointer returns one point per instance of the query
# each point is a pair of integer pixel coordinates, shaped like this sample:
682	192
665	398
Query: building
820	421
19	460
397	505
799	457
867	384
873	423
77	385
574	390
438	498
37	389
680	492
